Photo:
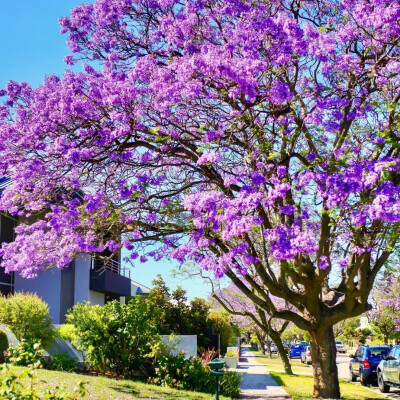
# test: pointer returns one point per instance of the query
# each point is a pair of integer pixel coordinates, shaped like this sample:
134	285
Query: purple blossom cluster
233	134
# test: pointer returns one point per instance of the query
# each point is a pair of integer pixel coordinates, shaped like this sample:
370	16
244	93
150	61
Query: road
343	361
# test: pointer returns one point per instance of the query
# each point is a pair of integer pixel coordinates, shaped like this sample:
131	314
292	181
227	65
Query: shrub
14	386
231	353
191	374
115	337
26	352
3	345
67	332
62	362
27	316
230	384
176	371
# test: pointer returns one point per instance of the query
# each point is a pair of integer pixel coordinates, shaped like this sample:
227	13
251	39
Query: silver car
388	370
305	356
340	346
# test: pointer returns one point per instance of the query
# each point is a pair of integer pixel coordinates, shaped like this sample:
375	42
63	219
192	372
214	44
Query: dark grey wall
67	290
7	226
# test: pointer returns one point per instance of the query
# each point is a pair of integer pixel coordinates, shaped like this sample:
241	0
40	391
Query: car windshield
338	342
378	353
297	346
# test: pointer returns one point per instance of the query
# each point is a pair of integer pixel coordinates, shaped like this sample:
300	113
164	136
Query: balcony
109	277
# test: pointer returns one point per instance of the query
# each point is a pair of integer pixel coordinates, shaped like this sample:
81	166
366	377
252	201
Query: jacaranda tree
248	316
253	137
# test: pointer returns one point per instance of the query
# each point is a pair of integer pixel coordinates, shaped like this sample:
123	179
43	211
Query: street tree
254	138
249	316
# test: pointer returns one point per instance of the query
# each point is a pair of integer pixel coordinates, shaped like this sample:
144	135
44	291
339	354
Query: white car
340	346
305	356
274	349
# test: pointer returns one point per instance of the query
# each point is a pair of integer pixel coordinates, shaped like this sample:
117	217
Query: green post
215	366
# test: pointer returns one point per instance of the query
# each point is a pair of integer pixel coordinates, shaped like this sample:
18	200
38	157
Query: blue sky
31	47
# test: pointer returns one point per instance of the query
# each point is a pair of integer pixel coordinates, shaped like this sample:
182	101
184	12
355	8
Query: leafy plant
208	355
27	316
230	384
62	362
66	332
26	352
3	345
115	337
22	386
231	353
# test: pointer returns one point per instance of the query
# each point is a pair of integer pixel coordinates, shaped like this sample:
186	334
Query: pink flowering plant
258	139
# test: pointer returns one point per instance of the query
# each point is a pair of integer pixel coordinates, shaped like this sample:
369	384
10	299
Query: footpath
257	383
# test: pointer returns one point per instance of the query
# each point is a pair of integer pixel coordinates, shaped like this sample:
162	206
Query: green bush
26	352
62	362
66	332
115	337
22	386
3	345
230	384
27	316
177	372
231	353
191	374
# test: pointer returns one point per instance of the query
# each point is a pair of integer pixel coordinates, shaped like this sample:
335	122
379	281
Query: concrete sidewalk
257	383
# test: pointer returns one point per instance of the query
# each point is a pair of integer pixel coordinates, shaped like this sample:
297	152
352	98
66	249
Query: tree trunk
386	338
276	337
323	355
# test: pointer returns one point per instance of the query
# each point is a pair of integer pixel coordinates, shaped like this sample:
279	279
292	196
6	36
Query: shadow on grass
126	389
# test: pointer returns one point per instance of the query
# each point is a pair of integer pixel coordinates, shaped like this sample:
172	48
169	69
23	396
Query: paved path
257	383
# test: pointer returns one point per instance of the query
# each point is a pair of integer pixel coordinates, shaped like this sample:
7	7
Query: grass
103	388
300	387
275	364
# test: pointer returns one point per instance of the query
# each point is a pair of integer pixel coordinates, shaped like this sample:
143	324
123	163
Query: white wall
187	343
96	298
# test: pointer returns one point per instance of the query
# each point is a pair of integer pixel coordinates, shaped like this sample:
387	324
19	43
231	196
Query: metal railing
101	265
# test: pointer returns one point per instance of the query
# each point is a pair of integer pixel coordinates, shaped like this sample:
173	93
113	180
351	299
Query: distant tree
385	314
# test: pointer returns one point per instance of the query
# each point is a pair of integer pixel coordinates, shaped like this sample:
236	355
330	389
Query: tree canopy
259	139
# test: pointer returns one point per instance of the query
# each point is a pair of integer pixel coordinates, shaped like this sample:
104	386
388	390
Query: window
391	352
379	352
397	352
360	352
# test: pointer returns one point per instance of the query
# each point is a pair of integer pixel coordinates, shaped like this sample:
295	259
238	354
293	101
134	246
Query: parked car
305	356
340	346
364	362
296	350
388	370
274	348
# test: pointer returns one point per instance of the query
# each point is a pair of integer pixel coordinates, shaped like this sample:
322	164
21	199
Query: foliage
62	362
115	337
3	345
293	333
208	355
22	386
220	321
66	332
231	353
349	331
26	352
230	384
192	374
176	314
27	316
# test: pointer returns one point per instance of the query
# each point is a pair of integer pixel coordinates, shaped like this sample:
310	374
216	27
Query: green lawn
275	364
102	388
300	387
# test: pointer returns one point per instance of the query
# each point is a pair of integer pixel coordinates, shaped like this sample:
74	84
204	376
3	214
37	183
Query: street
343	361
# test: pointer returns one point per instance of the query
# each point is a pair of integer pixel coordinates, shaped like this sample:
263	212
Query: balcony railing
101	265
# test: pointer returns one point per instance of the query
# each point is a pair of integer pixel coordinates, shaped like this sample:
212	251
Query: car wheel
363	380
353	378
381	384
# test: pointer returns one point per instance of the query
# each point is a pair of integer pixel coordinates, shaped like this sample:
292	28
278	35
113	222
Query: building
88	278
